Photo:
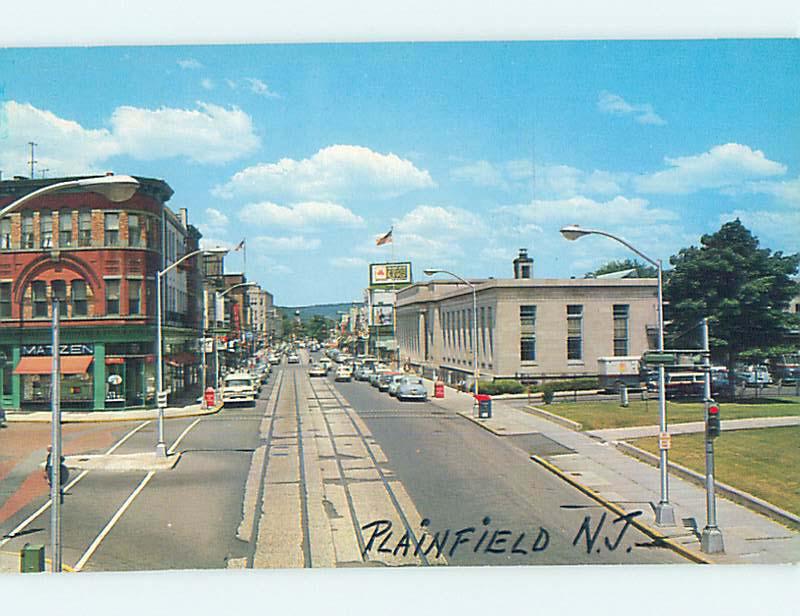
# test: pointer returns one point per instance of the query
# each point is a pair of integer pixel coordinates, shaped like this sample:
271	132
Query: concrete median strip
145	461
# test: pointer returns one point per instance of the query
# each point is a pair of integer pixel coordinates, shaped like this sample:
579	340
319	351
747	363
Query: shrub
566	385
501	386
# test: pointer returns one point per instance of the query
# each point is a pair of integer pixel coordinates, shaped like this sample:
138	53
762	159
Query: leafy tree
642	270
743	289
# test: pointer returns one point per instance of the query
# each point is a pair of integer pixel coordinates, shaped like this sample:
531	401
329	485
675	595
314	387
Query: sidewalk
629	484
172	412
691	427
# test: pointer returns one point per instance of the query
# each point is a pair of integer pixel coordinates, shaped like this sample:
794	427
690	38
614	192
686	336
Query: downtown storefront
113	369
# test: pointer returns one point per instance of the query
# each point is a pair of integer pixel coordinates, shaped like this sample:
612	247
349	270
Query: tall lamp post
216	354
114	188
432	272
161	395
665	512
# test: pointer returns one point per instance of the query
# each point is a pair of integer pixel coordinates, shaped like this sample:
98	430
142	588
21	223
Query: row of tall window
527	324
456	327
139	227
74	297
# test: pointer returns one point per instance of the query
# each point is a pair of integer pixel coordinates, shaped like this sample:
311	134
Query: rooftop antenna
43	172
32	161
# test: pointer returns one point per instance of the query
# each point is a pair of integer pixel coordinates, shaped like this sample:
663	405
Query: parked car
681	384
362	373
317	370
385	379
412	388
754	376
394	384
343	373
239	387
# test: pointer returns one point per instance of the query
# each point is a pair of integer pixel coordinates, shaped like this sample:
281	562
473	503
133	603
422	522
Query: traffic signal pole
711	541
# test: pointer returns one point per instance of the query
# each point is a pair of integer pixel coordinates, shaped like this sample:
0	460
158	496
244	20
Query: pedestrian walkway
172	412
692	427
633	485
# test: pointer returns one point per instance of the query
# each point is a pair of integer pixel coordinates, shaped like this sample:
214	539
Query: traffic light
712	421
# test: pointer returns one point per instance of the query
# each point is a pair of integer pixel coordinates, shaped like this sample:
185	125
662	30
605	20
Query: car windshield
237	382
413	381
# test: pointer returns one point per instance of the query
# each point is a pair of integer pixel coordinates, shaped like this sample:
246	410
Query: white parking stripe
22	525
184	433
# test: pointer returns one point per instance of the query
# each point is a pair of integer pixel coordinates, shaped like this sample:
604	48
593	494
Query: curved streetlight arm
456	276
112	186
237	286
181	260
580	232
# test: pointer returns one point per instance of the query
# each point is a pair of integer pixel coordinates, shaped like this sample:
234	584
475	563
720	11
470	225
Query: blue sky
468	150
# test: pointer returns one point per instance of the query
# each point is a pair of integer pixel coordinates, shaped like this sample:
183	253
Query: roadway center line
22	525
107	528
128	501
177	442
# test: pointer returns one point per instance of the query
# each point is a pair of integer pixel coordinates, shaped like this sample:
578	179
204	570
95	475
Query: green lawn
764	462
598	415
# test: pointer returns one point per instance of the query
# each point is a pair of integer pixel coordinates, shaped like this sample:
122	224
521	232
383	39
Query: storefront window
76	389
78	294
39	298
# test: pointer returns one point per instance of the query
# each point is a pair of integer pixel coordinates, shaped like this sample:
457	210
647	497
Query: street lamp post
431	272
161	395
216	354
665	512
115	188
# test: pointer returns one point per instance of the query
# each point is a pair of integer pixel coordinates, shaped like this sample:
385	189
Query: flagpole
244	257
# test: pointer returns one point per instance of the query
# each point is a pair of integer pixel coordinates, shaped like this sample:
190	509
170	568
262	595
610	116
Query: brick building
100	258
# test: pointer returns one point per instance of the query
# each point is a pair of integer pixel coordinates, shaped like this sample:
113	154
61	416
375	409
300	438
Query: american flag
384	239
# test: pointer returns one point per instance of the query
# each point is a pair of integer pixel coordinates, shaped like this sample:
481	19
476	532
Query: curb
479	422
562	421
647	530
740	497
114	416
65	568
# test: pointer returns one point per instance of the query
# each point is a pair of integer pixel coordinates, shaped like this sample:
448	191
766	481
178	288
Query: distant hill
329	311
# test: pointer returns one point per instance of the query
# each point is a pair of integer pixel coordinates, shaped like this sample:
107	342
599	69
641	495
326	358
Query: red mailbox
438	389
209	397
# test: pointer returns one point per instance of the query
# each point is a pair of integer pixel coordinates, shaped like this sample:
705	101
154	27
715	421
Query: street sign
658	358
162	399
664	440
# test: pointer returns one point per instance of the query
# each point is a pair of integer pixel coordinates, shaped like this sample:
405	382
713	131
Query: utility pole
55	451
32	161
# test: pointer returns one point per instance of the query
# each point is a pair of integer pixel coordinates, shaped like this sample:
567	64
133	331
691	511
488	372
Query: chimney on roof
183	213
523	265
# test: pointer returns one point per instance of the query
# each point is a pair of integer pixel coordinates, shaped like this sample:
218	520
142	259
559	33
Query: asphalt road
460	475
456	474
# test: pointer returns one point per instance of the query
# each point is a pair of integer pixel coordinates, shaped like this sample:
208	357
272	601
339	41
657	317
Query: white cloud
787	192
207	84
259	87
583	210
333	172
643	113
439	221
209	134
213	222
293	243
775	229
189	63
65	147
723	166
542	180
348	262
307	214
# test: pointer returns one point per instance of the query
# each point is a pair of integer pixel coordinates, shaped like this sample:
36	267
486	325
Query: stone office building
533	328
100	258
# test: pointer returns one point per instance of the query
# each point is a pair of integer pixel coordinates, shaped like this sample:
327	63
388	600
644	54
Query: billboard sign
390	273
382	315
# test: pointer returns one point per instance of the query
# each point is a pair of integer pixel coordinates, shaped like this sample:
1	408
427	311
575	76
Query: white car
344	373
239	387
395	383
293	359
